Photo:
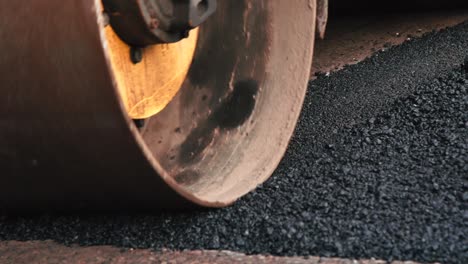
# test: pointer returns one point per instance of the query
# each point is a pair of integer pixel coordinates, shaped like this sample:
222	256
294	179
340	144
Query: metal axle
143	23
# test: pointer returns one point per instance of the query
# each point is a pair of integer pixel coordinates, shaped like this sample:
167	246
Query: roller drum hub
69	142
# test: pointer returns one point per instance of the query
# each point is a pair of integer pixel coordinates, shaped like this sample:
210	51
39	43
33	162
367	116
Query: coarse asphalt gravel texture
377	168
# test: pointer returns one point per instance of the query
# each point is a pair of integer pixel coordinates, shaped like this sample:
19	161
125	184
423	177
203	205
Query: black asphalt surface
378	168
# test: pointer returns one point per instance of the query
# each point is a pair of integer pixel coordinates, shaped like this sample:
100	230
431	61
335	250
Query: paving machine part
141	23
93	120
124	104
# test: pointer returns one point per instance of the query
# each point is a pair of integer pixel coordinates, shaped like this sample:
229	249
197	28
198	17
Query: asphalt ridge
378	168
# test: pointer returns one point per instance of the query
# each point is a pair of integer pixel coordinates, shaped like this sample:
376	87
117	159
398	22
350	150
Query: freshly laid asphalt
378	168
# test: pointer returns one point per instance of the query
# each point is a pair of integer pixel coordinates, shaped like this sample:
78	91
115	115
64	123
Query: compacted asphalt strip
378	168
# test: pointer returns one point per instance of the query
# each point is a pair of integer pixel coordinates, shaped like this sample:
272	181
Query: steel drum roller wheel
67	141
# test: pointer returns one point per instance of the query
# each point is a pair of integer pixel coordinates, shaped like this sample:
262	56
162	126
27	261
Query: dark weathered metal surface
142	23
322	17
66	142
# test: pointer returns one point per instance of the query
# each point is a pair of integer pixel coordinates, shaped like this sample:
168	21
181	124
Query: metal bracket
322	17
148	22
